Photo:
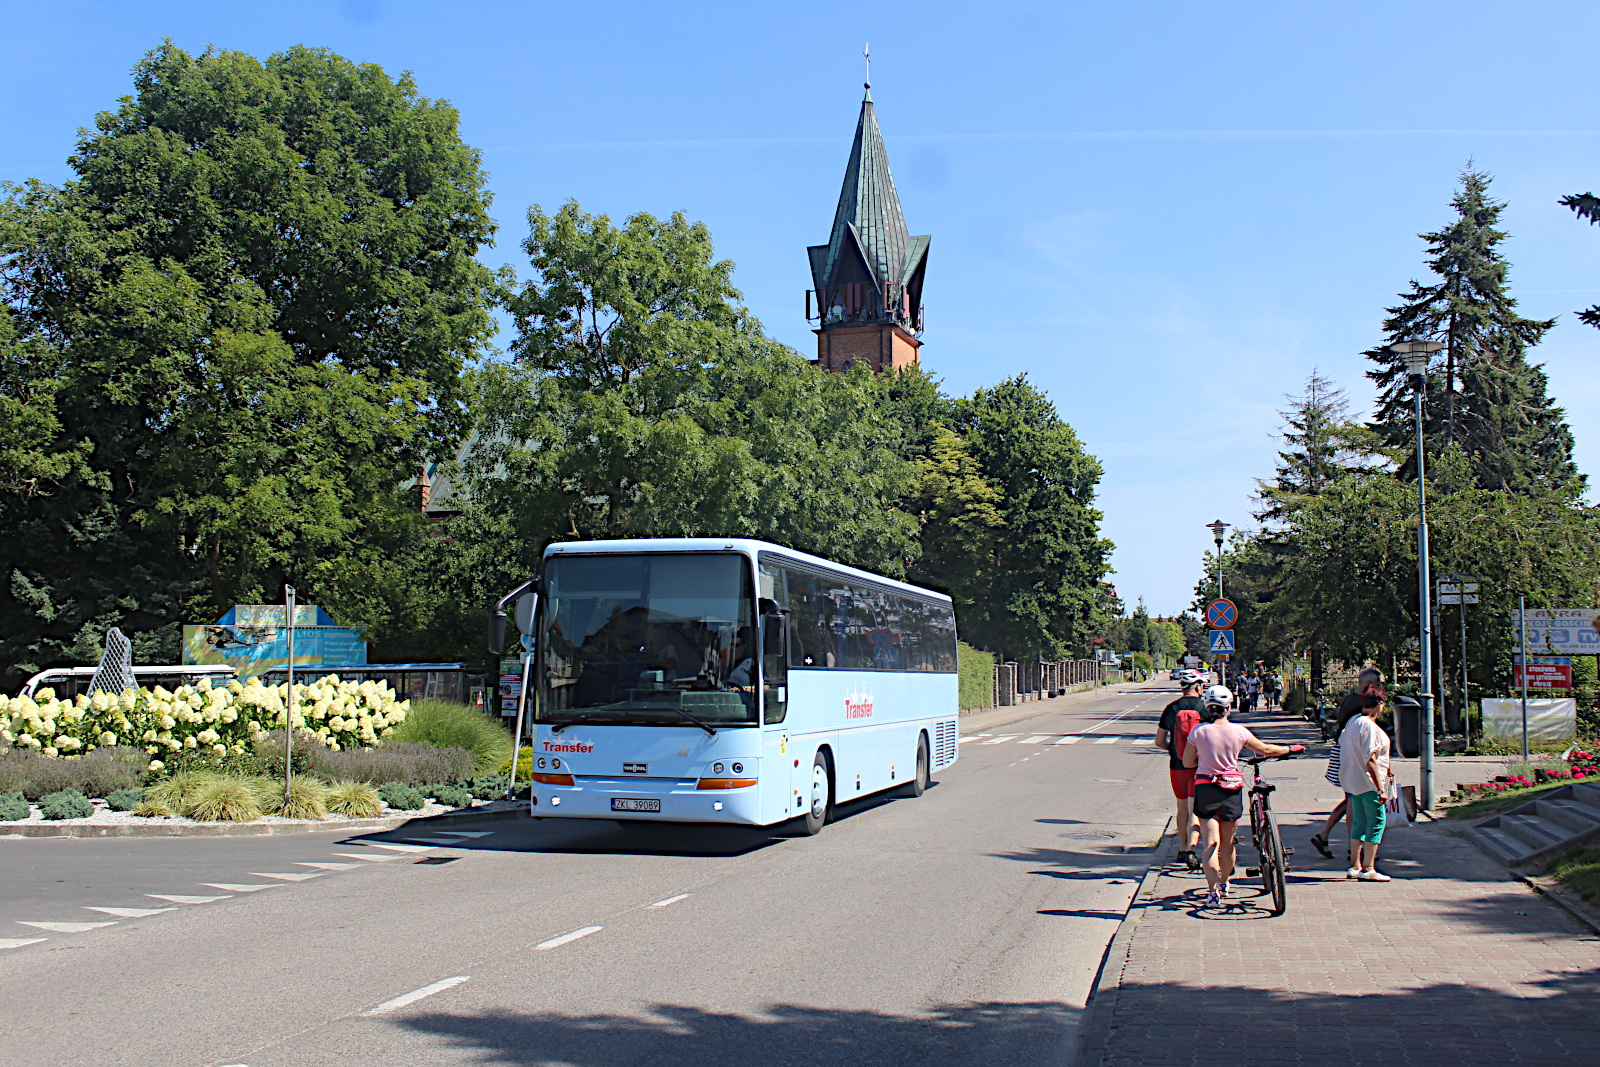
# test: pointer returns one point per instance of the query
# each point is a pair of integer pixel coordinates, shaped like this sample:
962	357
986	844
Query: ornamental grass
449	725
355	799
224	800
307	799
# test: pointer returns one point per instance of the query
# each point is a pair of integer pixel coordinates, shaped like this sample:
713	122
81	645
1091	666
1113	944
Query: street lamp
1416	355
1217	529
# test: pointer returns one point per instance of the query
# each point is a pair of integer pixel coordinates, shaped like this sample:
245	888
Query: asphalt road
961	927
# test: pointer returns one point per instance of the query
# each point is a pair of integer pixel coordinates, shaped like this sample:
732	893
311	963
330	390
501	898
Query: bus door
780	778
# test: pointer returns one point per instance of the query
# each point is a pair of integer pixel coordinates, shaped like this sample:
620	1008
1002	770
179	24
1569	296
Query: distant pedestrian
1366	682
1178	720
1365	775
1213	751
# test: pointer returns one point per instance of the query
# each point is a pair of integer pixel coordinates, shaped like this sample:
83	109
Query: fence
1018	683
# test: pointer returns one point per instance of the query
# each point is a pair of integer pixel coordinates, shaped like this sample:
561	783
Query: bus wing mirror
774	635
527	604
497	632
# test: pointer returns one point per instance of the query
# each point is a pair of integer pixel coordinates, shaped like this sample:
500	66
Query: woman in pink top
1213	751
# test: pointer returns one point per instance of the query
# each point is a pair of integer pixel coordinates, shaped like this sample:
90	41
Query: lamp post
1217	528
1416	355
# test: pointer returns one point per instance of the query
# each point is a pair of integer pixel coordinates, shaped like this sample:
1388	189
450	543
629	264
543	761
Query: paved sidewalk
1452	962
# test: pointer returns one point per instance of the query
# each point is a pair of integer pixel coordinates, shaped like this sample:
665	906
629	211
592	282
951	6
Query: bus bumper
681	801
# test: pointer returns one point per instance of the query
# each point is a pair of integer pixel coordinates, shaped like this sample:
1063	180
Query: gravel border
107	823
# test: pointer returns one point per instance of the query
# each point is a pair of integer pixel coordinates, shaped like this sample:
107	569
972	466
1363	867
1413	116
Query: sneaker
1374	876
1223	887
1212	900
1353	872
1185	858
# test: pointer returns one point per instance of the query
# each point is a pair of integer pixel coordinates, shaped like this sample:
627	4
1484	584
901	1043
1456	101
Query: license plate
634	804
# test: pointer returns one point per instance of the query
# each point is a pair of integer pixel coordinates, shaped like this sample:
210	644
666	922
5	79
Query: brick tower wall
883	347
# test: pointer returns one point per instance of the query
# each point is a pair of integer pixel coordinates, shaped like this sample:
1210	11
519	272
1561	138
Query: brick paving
1452	962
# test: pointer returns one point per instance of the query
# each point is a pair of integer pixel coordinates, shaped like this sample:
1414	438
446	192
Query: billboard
254	638
1548	720
1562	631
1545	672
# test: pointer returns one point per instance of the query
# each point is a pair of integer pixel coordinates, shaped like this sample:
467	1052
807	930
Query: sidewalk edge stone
390	822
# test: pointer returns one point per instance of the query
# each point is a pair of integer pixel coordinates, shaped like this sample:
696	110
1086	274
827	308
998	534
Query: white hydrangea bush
221	720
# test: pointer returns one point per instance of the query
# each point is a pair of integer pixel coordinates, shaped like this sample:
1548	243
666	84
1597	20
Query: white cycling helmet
1219	696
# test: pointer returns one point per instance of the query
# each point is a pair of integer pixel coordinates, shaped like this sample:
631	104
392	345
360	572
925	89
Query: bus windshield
660	639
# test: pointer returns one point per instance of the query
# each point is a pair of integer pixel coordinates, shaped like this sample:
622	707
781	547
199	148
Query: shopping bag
1395	808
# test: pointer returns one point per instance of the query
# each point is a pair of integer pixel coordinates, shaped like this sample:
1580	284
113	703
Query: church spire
871	269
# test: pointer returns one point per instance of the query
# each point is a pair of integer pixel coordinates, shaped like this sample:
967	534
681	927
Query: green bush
66	804
1295	700
453	796
13	807
94	774
358	800
125	799
977	676
490	786
401	797
448	725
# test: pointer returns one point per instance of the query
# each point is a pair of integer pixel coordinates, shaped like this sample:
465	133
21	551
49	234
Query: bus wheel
821	795
919	785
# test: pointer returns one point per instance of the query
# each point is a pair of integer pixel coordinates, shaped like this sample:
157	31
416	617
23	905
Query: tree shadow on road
670	1035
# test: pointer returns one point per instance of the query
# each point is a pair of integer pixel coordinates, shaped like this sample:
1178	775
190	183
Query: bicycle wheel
1273	866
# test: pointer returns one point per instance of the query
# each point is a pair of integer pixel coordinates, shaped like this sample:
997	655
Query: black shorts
1215	802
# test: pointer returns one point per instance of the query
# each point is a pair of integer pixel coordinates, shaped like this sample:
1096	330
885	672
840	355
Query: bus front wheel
821	798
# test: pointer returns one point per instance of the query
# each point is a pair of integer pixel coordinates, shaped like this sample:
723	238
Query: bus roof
749	546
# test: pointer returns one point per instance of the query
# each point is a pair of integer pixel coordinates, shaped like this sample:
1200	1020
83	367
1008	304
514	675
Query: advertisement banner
254	638
1562	631
1545	672
1554	720
510	685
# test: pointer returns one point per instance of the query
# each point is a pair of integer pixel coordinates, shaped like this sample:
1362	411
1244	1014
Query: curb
1553	892
1095	1026
390	822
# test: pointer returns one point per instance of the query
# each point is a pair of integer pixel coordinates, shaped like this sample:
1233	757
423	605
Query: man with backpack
1172	733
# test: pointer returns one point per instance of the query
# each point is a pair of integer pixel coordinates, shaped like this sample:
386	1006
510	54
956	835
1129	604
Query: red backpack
1188	719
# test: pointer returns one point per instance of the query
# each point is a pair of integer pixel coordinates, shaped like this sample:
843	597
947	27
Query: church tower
867	279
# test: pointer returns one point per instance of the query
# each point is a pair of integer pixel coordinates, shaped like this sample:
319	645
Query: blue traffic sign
1221	614
1222	642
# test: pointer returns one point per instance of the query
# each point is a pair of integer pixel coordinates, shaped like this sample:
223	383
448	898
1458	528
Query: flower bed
219	720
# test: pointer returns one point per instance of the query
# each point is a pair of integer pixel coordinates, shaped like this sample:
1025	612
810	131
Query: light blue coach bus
726	680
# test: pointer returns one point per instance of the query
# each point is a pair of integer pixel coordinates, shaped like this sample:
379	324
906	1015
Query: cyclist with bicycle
1213	751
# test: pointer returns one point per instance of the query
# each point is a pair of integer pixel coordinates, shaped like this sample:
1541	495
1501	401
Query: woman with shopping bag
1364	774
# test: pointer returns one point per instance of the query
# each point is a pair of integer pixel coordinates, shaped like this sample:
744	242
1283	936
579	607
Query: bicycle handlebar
1256	761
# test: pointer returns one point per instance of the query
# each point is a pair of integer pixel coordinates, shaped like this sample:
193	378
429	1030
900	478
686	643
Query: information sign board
1222	642
1544	672
1563	631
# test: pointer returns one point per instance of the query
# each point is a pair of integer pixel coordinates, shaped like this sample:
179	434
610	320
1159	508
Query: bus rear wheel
919	785
821	796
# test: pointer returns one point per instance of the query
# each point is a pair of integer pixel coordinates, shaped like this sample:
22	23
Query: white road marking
66	928
234	887
329	866
417	994
999	740
186	900
1113	739
1149	741
18	942
287	877
391	846
436	840
670	900
557	942
130	913
1071	739
972	737
369	859
465	833
1035	740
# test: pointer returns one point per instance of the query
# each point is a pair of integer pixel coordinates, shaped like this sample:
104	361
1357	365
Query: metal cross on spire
866	53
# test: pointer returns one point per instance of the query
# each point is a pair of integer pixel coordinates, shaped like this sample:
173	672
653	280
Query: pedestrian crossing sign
1222	642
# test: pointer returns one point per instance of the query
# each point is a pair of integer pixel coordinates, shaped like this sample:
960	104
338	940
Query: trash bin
1407	727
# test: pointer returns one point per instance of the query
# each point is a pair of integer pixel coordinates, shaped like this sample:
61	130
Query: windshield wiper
707	727
556	728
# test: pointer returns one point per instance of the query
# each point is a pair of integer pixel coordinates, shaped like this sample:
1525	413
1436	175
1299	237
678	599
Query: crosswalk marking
65	928
129	913
466	833
1036	740
329	866
1107	740
1070	739
287	877
397	847
368	858
184	900
18	942
999	740
234	887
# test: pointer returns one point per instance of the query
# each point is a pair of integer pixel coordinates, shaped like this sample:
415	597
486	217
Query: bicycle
1269	846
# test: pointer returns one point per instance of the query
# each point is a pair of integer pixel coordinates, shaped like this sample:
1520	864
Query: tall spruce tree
1484	397
1320	445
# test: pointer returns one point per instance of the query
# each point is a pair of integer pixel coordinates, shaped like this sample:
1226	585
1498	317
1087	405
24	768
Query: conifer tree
1321	444
1483	396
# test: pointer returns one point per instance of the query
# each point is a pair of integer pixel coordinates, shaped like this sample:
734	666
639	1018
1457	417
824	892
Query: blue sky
1165	214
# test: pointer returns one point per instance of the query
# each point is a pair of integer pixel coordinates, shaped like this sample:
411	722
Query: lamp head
1217	529
1416	355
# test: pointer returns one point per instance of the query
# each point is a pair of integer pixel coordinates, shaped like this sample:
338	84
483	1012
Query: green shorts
1366	817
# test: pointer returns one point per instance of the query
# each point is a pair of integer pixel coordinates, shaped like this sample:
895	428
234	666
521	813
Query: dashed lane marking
236	887
670	900
185	900
368	858
287	877
330	866
18	942
129	913
65	928
564	939
417	994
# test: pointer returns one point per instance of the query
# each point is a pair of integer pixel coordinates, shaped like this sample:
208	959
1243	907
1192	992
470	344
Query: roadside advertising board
510	684
1563	631
1545	672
